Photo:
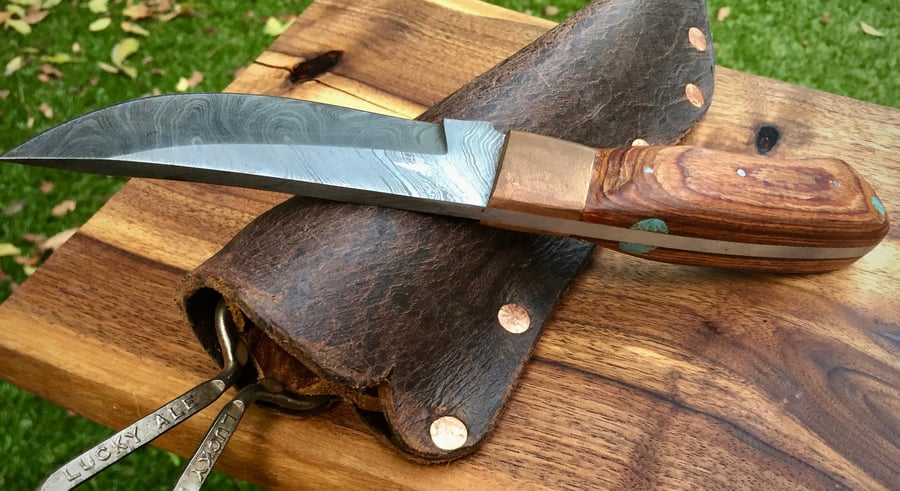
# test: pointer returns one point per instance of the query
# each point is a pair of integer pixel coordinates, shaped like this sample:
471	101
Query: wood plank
648	375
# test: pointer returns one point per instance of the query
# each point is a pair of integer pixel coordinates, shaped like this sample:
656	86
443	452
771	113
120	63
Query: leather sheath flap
397	312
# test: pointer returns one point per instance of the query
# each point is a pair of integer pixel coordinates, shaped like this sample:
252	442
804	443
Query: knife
677	204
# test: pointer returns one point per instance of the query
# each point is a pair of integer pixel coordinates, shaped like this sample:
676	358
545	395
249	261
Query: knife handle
694	206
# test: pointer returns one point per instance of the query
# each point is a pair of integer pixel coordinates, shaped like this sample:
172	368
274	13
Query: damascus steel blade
284	145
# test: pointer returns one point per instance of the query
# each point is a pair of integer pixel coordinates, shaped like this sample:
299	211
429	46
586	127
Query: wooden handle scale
691	205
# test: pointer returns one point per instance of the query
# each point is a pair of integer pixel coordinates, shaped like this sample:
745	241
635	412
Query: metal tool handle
146	429
209	450
227	421
136	435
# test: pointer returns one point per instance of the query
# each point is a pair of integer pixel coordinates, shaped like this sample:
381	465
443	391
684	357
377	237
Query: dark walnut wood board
648	375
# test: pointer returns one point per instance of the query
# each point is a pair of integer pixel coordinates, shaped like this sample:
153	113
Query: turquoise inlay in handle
647	225
878	206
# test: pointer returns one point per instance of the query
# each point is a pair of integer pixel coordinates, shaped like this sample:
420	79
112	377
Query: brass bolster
543	176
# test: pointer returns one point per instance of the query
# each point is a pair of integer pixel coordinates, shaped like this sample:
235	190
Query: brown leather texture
397	312
615	71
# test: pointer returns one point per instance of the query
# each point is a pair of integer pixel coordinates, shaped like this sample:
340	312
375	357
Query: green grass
789	41
783	40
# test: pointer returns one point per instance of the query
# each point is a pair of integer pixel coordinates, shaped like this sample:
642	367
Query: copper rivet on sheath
697	39
693	94
514	318
640	142
449	433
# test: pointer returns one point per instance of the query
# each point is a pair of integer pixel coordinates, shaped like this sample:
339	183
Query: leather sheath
396	313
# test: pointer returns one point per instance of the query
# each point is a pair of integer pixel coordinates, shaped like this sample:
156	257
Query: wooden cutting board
648	375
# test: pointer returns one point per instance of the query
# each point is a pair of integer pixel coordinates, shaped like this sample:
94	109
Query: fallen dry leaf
123	49
826	18
57	59
29	270
195	79
51	70
13	66
33	260
76	48
47	111
35	13
35	16
63	207
99	24
99	6
137	11
19	26
106	67
5	16
4	93
189	83
44	78
177	11
871	31
46	187
130	71
551	10
35	239
132	28
14	208
57	240
723	13
275	27
7	249
29	123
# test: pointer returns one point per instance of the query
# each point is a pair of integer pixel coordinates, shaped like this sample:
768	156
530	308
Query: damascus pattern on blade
278	144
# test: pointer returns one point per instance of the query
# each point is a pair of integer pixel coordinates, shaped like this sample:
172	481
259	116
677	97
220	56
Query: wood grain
727	196
816	203
650	375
